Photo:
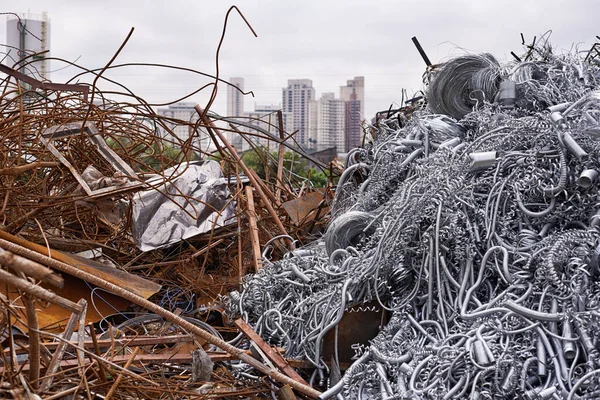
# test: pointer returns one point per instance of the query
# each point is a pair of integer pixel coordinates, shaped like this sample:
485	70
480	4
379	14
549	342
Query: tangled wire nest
480	235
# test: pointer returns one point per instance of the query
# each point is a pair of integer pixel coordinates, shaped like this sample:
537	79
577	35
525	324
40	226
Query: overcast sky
327	41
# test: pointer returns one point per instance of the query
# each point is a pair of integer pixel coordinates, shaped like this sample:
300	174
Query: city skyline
322	123
318	40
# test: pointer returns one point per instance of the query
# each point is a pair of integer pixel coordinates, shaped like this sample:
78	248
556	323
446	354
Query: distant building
181	111
235	97
355	86
352	125
324	156
327	123
265	117
353	94
26	37
296	99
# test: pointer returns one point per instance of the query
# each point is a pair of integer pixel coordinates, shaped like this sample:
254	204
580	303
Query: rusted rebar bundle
71	160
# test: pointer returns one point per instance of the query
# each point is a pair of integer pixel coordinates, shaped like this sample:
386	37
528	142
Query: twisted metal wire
483	243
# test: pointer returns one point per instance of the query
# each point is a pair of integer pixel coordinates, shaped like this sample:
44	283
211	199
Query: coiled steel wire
483	245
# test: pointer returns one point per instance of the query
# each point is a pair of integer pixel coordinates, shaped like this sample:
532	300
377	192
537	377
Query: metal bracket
91	132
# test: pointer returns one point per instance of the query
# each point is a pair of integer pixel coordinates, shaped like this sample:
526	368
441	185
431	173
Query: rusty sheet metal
54	318
90	131
359	325
133	283
300	209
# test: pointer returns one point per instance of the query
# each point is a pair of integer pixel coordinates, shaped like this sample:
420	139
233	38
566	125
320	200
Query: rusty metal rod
30	268
280	155
101	367
60	351
117	382
246	170
34	341
24	168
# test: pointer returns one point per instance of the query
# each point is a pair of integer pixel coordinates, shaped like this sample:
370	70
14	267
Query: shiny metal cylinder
507	93
568	346
482	160
559	107
587	178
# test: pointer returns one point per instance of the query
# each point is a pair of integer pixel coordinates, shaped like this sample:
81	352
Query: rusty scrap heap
117	236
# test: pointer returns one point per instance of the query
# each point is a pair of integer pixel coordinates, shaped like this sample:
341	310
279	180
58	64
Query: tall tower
355	86
353	95
327	123
296	99
235	98
28	36
352	124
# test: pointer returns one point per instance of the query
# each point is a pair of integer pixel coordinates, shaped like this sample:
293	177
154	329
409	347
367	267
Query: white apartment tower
235	97
296	99
27	38
327	119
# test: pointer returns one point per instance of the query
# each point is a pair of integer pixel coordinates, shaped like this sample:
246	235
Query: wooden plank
251	212
271	354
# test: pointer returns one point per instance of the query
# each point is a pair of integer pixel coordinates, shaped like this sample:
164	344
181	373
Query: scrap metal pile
474	220
117	234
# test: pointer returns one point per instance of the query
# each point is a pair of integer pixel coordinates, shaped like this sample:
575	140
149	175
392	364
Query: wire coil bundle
463	83
483	242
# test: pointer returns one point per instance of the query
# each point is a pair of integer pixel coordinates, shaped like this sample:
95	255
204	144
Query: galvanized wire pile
480	235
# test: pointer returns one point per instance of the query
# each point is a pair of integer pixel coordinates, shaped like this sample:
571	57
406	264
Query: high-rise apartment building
327	123
235	97
355	86
296	99
28	45
353	94
352	125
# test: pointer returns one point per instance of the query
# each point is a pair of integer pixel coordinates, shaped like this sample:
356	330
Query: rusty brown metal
127	281
300	209
359	325
271	354
64	150
90	132
45	85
